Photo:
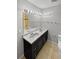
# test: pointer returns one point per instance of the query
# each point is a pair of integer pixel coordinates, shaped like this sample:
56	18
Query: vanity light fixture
33	12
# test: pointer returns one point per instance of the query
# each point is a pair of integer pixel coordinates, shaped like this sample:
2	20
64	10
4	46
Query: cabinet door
27	49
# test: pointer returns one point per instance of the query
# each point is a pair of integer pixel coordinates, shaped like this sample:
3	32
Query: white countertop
34	38
29	30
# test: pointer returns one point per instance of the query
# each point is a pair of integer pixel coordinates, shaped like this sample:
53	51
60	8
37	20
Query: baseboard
56	44
52	42
21	56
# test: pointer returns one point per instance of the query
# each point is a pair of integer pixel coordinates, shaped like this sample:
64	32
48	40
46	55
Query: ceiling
44	3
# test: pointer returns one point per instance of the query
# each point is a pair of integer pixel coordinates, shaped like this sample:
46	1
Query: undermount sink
35	33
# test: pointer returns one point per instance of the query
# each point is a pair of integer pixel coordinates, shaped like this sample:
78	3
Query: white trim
56	44
52	42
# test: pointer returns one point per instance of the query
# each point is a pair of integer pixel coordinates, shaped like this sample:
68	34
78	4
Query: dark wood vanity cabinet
31	50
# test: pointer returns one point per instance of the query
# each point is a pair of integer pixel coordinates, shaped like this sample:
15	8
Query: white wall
34	21
53	22
22	4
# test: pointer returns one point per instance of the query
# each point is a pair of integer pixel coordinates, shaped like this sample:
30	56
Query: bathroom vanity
33	42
